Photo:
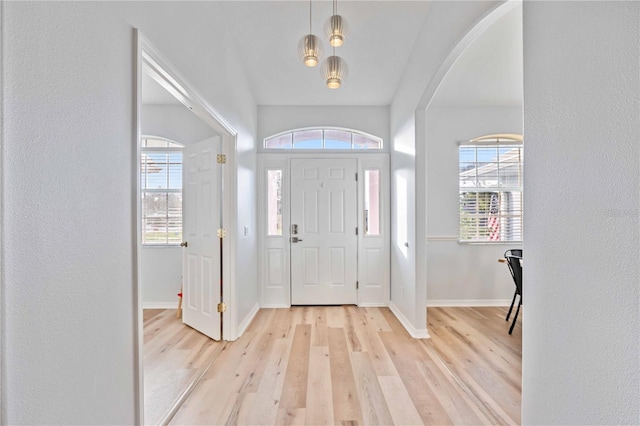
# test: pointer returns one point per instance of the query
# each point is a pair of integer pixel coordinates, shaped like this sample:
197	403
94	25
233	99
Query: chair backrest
515	267
513	252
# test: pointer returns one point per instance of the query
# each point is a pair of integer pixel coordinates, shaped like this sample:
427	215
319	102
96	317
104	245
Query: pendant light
310	46
336	27
334	70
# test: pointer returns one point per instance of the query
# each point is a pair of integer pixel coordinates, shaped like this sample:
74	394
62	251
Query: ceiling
377	48
380	41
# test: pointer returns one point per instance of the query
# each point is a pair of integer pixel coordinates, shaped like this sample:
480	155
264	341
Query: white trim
247	320
3	414
468	302
137	232
274	306
229	243
160	305
442	238
413	332
373	305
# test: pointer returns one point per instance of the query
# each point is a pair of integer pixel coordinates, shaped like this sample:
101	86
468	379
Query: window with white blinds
490	189
161	191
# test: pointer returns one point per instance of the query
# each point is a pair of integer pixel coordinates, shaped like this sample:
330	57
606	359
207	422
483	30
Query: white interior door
201	220
324	244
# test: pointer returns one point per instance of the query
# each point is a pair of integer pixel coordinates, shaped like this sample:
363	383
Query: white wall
370	119
161	267
161	276
461	273
69	311
445	24
175	122
68	195
581	317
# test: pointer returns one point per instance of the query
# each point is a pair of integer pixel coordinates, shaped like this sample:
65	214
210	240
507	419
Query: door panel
323	205
201	257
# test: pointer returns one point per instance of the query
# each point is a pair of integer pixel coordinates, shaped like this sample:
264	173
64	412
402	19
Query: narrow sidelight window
372	202
274	202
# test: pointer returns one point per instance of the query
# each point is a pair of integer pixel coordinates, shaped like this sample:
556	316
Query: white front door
324	243
201	256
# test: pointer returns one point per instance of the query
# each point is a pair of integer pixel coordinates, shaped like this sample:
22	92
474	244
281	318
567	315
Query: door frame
150	59
272	294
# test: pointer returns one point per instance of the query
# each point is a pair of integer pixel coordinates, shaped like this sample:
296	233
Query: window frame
497	141
176	148
323	129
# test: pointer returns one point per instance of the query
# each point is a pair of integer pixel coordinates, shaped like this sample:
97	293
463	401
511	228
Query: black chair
513	258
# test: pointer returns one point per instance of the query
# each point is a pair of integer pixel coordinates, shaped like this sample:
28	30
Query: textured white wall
68	195
276	119
461	271
69	315
582	178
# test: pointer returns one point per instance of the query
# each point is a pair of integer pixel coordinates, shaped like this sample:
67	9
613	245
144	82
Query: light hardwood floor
349	365
174	356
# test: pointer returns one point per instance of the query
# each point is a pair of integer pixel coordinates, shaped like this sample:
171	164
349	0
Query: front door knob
185	244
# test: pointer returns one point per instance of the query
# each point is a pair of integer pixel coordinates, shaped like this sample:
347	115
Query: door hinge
222	232
222	159
356	177
357	285
222	307
356	230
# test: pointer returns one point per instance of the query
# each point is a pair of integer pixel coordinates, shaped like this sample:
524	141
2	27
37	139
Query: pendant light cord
310	32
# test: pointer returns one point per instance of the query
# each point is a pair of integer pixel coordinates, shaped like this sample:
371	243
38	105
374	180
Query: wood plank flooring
174	355
349	365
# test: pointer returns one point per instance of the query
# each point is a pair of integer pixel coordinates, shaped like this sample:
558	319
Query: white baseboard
247	320
468	302
160	305
274	306
373	305
414	332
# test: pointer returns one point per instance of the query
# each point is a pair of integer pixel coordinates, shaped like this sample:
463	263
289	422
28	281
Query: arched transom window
323	138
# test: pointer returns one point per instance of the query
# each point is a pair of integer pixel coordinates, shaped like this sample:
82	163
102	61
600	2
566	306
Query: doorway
209	221
323	229
324	244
